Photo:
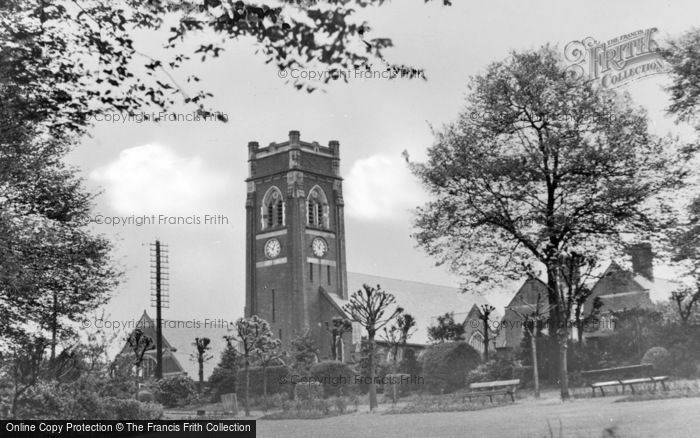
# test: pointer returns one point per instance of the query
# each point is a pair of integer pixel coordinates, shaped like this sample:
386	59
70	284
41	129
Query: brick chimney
642	260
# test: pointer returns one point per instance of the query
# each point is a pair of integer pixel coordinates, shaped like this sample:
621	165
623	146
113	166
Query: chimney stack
294	138
642	260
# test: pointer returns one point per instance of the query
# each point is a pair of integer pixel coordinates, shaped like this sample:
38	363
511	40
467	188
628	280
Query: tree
686	301
636	330
26	368
532	318
202	346
139	344
683	56
223	378
583	323
337	328
485	314
396	336
250	332
370	307
538	165
446	329
685	254
54	270
42	40
304	352
268	351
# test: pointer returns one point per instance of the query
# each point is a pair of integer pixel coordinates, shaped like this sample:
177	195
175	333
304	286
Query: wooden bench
623	376
497	387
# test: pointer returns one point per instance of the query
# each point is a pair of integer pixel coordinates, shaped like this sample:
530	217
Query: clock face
272	248
319	247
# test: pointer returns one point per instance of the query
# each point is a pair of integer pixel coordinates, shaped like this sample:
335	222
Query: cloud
153	179
381	188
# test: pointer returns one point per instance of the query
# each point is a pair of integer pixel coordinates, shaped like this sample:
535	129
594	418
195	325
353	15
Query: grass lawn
526	418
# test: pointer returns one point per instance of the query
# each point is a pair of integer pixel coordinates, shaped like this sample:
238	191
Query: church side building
295	239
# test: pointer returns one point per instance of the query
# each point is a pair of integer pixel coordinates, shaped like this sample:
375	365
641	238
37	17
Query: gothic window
317	208
273	209
148	367
477	342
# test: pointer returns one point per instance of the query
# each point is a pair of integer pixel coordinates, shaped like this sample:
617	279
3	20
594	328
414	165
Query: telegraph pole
159	296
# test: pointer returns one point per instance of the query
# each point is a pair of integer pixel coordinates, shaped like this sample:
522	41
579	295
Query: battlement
293	154
294	141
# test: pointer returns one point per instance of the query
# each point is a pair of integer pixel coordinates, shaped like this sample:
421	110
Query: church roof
422	300
178	337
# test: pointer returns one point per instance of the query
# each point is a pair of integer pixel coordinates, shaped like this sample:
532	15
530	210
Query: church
296	275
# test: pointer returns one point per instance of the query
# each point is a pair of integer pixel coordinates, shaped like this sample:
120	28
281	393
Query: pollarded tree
139	343
250	333
371	308
201	356
269	351
337	328
539	165
486	310
396	336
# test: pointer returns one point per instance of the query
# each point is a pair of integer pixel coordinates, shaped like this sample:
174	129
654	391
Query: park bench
623	376
497	387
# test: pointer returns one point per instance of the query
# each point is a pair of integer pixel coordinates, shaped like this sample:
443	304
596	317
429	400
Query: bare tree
337	328
202	346
532	320
369	307
139	343
396	335
486	311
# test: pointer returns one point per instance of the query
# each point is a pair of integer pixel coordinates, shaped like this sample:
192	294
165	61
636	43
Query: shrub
659	357
81	401
308	391
445	366
498	369
124	409
175	391
277	380
222	381
145	396
336	377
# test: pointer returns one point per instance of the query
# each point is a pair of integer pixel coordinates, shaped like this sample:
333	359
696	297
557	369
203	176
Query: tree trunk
54	325
201	373
563	375
247	388
535	368
334	347
264	370
372	385
553	326
486	340
136	379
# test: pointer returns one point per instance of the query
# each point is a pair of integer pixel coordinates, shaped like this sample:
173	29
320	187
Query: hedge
336	377
278	380
446	365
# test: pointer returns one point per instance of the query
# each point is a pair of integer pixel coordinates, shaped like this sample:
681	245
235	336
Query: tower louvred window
273	209
317	209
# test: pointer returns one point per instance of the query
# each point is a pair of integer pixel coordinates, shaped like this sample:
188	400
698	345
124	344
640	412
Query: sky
198	168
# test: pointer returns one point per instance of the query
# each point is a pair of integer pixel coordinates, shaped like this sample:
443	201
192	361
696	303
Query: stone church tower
295	238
